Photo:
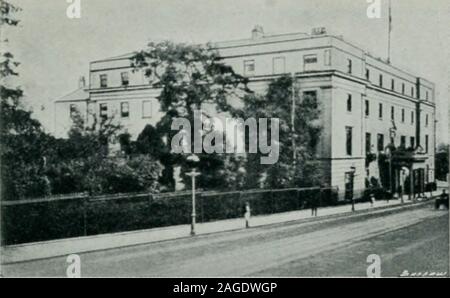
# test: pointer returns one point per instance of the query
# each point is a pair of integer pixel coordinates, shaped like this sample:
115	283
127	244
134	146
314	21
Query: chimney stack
258	32
82	82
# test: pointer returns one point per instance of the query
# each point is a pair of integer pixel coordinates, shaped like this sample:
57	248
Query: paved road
415	240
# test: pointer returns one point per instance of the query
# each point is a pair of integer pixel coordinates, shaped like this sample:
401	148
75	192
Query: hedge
48	220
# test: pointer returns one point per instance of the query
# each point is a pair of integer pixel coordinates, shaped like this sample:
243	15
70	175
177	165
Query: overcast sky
55	50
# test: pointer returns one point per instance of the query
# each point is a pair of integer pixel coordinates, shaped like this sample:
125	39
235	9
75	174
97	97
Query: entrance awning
408	157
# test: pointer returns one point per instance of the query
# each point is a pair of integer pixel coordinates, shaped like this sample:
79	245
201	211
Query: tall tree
22	137
277	103
441	161
191	77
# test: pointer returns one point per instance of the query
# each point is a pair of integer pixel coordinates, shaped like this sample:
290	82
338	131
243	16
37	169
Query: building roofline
268	39
62	98
125	56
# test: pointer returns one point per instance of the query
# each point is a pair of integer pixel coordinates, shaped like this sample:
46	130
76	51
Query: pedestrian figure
372	199
247	215
315	202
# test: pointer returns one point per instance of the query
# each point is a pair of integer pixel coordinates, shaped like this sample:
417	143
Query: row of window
381	113
309	63
124	76
380	142
124	109
393	85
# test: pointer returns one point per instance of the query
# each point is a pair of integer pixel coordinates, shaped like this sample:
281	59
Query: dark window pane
349	103
103	81
380	142
125	109
349	140
368	142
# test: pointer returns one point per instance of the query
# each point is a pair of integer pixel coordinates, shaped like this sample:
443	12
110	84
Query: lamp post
193	174
352	178
388	150
402	183
294	155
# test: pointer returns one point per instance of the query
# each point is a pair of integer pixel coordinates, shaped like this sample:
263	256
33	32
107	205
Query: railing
77	215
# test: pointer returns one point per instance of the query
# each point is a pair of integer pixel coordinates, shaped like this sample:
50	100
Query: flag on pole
390	16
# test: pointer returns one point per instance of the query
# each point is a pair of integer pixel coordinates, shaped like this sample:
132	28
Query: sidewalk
63	247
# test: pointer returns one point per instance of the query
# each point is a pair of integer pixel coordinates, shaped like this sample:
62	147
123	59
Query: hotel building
366	104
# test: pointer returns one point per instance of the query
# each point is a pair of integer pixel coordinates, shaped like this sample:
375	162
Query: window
309	62
279	65
380	142
249	67
104	111
412	142
392	85
349	103
73	110
380	111
125	109
349	66
381	80
327	57
412	117
103	81
426	120
427	143
412	91
392	113
146	109
368	142
403	88
367	74
349	140
403	115
426	95
403	142
125	78
367	108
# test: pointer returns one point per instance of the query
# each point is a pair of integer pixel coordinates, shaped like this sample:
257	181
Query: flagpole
389	32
